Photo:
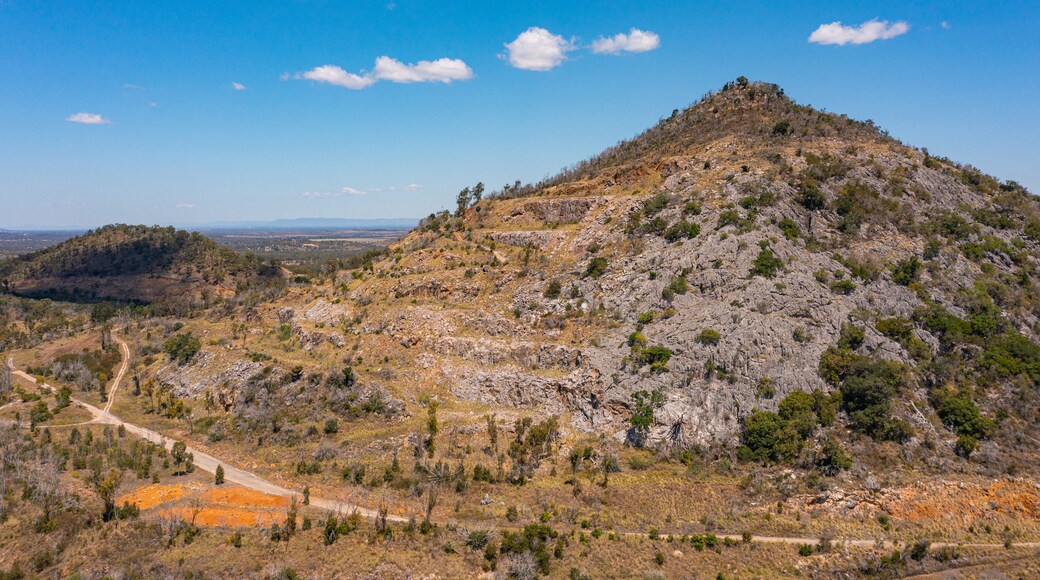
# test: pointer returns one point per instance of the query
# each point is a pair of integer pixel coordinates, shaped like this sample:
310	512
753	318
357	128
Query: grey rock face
772	330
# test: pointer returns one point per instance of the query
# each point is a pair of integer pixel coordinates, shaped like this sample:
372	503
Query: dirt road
209	463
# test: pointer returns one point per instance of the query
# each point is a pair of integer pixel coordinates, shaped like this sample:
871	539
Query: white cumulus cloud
538	49
837	33
87	119
185	205
352	191
442	70
413	187
238	86
334	75
635	41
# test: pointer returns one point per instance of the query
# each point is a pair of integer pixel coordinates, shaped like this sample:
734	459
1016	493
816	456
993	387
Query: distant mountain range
311	224
278	224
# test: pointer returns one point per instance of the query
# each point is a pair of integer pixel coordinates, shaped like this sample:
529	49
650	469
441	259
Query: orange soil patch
236	495
152	495
937	499
219	516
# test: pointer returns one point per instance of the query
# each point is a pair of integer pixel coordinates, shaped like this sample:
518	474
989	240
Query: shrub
552	290
1012	354
843	286
960	413
762	434
782	128
905	272
766	264
709	336
852	205
832	458
655	203
682	230
729	217
919	549
790	229
678	285
597	266
656	356
805	550
898	329
812	199
965	446
851	336
182	348
694	208
867	391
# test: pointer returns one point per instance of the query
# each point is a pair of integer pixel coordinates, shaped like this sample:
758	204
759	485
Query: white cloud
413	187
132	87
334	75
238	86
87	119
185	205
945	25
352	191
538	49
442	70
836	33
153	104
635	41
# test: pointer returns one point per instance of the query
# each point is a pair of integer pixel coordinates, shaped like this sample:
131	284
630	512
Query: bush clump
597	266
766	264
182	348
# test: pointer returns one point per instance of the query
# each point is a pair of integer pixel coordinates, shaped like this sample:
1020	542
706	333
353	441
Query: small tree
178	452
218	477
462	202
106	489
645	404
492	431
431	426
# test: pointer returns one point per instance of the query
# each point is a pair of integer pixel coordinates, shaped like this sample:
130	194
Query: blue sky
173	141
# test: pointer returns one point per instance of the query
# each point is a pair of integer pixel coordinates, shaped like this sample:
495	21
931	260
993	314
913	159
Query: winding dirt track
209	463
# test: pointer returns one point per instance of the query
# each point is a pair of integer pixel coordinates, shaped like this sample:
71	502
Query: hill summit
744	249
129	263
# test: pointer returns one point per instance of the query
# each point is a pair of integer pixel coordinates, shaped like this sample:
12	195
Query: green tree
218	477
462	201
179	453
106	488
645	404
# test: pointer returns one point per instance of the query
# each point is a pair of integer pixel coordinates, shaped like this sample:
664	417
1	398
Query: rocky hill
129	264
741	250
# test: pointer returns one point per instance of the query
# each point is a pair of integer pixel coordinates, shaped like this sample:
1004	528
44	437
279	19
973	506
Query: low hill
129	263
